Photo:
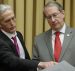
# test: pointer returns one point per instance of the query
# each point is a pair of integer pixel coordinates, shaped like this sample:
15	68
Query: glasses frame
54	15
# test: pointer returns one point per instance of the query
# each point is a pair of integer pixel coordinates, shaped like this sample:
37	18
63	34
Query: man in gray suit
43	49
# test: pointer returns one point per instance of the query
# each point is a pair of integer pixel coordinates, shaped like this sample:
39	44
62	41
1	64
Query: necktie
15	43
57	47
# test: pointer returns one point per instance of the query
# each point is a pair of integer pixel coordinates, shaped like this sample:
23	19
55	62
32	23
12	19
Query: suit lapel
9	42
5	38
67	38
48	41
23	44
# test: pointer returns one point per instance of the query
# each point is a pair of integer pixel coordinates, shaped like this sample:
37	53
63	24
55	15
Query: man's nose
11	21
52	18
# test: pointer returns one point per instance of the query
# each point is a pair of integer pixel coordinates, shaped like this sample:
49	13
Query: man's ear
62	11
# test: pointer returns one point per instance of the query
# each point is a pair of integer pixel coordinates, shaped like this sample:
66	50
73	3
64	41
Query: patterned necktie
57	47
15	43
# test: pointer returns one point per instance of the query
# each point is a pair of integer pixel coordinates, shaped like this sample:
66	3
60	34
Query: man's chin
12	32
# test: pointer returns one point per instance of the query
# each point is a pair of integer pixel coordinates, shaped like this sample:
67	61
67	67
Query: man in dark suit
10	58
43	49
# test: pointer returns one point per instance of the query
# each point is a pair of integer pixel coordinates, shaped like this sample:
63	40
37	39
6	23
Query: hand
46	64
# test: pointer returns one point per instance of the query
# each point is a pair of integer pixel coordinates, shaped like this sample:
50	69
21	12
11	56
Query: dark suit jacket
9	59
42	49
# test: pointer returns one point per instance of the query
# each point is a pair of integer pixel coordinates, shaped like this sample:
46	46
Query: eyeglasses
55	15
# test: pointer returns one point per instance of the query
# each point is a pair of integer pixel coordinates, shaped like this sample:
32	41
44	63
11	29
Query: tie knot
57	33
14	39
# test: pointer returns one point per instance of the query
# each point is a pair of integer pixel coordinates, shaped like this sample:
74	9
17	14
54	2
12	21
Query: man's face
8	22
55	17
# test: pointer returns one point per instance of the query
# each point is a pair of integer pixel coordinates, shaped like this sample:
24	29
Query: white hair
4	7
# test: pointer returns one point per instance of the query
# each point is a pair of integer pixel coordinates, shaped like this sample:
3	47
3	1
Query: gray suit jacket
42	48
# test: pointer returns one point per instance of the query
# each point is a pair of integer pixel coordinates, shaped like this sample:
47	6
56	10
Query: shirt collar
9	34
62	30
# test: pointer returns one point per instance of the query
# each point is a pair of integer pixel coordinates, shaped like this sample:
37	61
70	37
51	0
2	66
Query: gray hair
4	7
54	3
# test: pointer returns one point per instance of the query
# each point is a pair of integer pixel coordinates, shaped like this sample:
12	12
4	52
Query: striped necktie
16	45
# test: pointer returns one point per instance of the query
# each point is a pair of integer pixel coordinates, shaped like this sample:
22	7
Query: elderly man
58	43
13	53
